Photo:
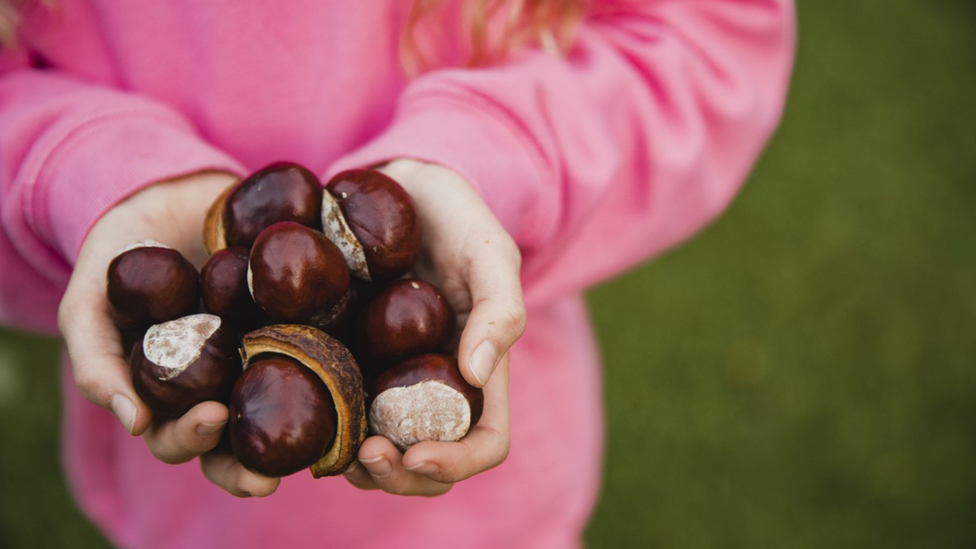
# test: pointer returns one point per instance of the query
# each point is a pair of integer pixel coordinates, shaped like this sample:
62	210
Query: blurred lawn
800	375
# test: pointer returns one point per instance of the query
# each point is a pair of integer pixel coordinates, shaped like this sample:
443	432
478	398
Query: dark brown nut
181	363
374	222
295	273
282	191
424	398
148	283
335	367
224	290
282	417
339	321
407	317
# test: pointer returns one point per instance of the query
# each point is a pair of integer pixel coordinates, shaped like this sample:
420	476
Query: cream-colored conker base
429	410
175	344
335	227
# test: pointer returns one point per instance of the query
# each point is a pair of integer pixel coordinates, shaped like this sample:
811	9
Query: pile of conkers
304	321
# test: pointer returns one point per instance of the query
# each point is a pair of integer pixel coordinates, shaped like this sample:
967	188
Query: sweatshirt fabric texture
594	161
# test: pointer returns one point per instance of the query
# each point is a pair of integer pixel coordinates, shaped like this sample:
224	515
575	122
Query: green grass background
800	375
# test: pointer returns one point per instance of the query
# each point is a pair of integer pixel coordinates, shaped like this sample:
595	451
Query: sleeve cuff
99	163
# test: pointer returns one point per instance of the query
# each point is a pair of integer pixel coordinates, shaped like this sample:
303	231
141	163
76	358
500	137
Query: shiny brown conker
340	320
337	372
282	417
183	362
224	290
282	191
407	317
375	223
295	272
148	283
424	398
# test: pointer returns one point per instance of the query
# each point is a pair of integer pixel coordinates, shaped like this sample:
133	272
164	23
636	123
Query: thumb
497	318
98	361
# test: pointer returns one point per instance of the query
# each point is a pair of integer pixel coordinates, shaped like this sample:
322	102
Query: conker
183	362
374	221
224	289
407	317
282	417
424	398
336	369
340	320
295	272
282	191
148	283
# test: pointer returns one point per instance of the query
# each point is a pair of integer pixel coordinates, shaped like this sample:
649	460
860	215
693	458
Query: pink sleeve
635	140
68	152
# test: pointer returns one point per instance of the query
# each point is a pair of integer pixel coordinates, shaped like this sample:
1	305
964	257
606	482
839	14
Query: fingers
222	469
101	370
382	468
462	236
497	318
184	438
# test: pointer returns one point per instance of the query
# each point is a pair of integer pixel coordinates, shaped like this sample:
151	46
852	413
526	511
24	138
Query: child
548	145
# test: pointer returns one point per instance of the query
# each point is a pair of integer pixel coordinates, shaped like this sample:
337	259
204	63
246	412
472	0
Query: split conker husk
148	283
183	362
295	272
407	317
335	368
282	417
424	398
282	191
374	221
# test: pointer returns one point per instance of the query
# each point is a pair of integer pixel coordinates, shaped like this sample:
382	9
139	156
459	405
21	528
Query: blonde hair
492	28
9	17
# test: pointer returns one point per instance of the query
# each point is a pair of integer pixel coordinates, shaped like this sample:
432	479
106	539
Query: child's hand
172	213
473	260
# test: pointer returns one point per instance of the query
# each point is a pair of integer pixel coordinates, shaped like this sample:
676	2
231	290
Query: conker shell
282	417
337	369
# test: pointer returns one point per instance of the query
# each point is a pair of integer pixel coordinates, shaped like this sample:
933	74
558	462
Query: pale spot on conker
175	344
335	227
429	410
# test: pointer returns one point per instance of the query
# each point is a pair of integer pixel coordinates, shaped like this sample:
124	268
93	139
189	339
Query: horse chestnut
148	283
406	318
295	273
280	416
224	290
374	221
424	398
183	362
282	191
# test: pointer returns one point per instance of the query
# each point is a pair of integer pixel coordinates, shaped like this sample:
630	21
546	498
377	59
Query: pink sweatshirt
594	162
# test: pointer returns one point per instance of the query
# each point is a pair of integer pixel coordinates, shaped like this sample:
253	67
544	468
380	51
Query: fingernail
207	430
483	361
378	467
424	468
124	410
